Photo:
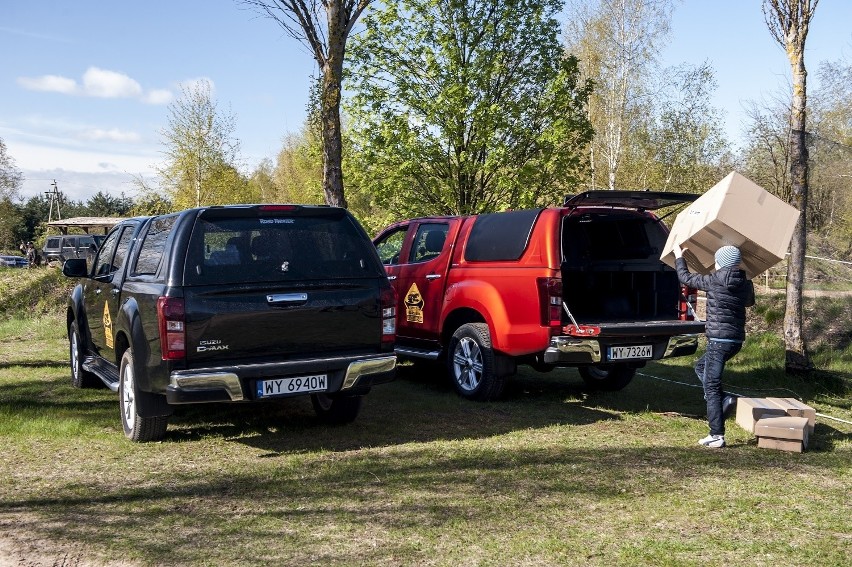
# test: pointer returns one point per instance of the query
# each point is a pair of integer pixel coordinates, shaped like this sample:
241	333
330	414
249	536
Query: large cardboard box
749	410
795	408
736	211
786	433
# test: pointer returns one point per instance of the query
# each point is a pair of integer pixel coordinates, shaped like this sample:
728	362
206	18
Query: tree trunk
332	139
797	359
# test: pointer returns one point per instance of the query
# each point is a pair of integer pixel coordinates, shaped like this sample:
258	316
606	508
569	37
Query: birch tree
788	22
616	41
322	26
201	151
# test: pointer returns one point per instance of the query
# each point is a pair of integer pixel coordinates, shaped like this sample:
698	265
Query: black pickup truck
232	304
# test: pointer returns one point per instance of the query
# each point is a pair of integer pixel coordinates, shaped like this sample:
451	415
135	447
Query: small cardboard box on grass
795	408
738	212
786	433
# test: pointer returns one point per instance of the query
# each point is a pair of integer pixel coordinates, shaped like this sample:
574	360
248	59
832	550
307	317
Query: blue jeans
709	369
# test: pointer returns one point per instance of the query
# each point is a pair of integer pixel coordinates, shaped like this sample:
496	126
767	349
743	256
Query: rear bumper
236	383
568	351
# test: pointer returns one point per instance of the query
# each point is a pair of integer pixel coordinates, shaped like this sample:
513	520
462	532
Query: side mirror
75	268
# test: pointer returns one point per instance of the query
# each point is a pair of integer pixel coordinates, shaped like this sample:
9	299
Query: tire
608	377
472	364
336	410
136	427
80	378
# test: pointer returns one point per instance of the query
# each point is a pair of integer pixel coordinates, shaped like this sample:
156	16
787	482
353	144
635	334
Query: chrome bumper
573	350
229	382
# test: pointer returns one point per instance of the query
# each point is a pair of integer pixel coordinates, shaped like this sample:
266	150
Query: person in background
729	292
31	255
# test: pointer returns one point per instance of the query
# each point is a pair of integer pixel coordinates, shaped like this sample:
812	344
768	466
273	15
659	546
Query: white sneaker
713	441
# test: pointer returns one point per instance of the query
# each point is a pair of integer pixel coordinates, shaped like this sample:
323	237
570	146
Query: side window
154	245
69	244
390	246
428	242
114	251
122	249
103	262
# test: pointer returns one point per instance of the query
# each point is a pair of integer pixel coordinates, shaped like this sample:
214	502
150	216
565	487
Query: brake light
687	303
278	208
170	314
550	301
388	304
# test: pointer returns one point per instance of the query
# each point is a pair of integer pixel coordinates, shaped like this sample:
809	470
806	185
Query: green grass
550	475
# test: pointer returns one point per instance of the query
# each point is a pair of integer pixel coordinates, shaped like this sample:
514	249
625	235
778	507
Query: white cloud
158	96
49	83
100	83
109	84
113	134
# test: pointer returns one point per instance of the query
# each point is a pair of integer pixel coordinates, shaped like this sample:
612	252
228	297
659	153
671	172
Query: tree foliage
465	106
678	144
10	176
201	152
323	26
617	42
831	153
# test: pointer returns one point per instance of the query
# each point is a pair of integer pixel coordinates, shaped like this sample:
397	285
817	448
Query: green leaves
463	107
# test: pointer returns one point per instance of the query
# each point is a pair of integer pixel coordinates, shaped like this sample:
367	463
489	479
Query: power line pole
54	197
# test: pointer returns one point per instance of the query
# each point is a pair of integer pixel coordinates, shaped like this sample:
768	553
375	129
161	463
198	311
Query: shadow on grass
420	406
34	364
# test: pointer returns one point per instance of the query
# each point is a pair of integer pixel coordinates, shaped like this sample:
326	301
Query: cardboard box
749	410
736	211
795	408
786	433
780	444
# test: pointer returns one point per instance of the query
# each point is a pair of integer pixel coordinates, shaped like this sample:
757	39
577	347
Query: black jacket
728	295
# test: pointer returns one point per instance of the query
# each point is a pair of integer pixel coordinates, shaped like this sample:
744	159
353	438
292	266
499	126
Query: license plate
631	352
286	386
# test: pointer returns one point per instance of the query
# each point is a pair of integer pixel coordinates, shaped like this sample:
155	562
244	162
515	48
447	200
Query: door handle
433	276
391	278
281	298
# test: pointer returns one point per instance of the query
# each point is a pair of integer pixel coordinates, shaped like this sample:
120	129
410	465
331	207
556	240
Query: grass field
551	475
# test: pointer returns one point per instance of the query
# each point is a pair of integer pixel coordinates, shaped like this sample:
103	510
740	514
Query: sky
85	86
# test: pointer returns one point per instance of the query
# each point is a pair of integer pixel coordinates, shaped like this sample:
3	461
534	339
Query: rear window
278	249
609	236
500	236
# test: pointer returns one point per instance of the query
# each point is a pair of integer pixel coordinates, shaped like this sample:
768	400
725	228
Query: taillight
688	302
278	208
550	301
388	301
170	314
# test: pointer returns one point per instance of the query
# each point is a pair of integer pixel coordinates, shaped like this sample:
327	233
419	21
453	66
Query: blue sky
85	85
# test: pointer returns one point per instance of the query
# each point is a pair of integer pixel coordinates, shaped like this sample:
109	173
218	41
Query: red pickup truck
580	285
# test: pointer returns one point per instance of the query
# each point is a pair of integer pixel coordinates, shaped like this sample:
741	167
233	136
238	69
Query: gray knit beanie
728	256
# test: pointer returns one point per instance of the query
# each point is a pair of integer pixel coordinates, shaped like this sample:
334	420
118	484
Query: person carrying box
729	292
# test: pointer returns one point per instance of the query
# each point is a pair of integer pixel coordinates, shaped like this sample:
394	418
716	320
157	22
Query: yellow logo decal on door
413	305
107	327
